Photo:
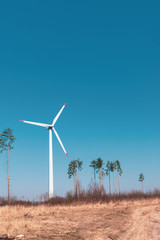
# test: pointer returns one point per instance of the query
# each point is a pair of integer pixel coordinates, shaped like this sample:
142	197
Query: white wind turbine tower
50	128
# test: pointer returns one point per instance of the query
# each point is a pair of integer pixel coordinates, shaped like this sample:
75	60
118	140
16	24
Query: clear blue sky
103	59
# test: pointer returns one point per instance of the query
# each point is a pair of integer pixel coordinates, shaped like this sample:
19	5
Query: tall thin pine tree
6	141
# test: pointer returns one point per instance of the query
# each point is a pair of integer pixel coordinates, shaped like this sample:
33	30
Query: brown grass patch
113	220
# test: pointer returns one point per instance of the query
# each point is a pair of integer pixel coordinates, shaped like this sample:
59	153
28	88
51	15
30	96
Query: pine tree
115	176
79	166
112	170
93	165
119	173
108	171
99	164
72	171
6	141
141	179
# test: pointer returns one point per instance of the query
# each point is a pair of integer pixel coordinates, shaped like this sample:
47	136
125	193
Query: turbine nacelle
49	127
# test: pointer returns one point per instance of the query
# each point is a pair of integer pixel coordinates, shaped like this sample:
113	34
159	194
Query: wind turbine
50	128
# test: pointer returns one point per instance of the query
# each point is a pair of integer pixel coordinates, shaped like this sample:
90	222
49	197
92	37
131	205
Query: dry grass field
133	220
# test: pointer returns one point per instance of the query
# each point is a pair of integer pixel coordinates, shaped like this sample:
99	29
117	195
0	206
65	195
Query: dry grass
114	220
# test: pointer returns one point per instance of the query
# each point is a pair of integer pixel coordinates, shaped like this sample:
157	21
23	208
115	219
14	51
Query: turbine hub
48	128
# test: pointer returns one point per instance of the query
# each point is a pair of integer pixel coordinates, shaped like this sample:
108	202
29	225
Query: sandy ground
138	220
144	223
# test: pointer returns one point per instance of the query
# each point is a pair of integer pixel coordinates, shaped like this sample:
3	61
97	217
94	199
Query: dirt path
144	223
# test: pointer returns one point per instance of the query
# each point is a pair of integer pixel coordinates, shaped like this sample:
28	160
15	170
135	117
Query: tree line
101	169
111	169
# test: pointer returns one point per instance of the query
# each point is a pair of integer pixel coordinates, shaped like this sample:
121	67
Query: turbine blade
57	116
60	141
35	123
